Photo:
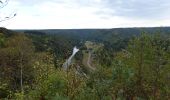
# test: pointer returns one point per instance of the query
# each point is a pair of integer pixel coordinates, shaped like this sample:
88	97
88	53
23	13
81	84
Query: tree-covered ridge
132	66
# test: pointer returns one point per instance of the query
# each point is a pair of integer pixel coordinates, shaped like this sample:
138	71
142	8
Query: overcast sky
69	14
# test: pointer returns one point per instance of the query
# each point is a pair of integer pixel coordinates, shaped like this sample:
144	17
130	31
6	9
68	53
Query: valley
97	64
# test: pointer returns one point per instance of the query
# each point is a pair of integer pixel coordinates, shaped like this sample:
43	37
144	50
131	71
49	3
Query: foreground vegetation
133	68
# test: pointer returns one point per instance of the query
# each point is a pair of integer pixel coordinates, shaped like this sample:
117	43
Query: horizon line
84	28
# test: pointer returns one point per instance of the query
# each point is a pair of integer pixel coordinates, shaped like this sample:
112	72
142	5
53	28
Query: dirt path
89	61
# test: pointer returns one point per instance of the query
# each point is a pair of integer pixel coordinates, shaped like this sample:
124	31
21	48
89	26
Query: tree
2	39
16	62
2	5
148	57
158	62
59	84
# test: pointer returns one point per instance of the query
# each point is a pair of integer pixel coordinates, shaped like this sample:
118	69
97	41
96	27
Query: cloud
89	13
140	9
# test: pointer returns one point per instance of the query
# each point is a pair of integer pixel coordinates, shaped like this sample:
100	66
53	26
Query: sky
77	14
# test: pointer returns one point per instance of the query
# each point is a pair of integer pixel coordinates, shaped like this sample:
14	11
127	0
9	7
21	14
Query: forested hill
7	32
125	31
111	64
99	34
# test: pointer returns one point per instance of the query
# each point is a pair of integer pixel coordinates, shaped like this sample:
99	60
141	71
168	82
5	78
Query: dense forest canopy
111	64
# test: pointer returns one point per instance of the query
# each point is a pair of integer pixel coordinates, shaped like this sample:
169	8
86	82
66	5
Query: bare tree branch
3	3
7	18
